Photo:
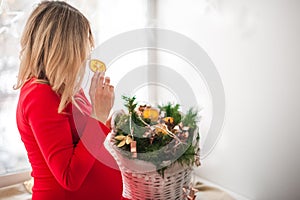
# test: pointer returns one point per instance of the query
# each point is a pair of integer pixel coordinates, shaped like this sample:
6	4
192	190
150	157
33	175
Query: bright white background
255	47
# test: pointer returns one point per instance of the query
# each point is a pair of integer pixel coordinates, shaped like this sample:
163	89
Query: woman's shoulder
34	89
34	84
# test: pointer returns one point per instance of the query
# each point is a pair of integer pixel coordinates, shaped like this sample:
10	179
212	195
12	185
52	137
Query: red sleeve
68	163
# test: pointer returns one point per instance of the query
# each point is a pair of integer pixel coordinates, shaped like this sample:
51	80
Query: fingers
102	96
104	82
111	88
94	83
101	80
107	81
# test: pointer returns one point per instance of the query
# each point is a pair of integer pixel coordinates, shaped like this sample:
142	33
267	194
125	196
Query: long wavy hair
55	44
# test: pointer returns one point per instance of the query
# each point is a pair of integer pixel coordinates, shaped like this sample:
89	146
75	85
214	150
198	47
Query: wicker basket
141	181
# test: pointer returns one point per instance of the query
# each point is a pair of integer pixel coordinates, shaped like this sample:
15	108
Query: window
13	156
107	18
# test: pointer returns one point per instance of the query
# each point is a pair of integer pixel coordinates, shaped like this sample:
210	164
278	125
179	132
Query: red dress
64	149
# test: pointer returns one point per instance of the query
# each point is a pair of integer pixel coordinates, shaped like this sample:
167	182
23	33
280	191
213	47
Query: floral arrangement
162	135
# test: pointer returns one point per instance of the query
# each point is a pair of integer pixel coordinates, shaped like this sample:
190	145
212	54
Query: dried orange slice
151	113
168	120
97	65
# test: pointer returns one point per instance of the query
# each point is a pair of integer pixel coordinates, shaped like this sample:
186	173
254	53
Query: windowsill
14	178
212	191
14	192
208	183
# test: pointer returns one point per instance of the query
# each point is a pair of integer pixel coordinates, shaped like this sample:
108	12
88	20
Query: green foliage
129	103
188	157
159	147
172	111
190	119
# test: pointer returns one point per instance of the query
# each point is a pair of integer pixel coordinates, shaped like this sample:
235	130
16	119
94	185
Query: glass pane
200	21
13	156
107	18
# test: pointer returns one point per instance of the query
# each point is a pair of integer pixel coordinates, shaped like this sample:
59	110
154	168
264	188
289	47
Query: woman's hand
102	97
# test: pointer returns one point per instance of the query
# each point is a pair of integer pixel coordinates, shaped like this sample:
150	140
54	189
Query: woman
63	134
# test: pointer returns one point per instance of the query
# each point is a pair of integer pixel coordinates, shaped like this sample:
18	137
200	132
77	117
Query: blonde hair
56	41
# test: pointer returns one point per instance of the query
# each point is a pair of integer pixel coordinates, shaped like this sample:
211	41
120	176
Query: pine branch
129	103
172	111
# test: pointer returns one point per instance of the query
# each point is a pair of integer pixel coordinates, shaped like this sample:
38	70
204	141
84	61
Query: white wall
255	46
